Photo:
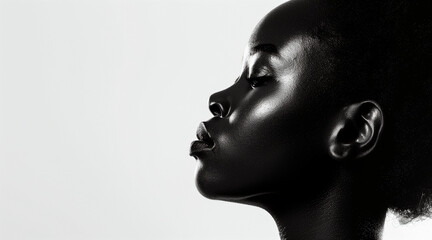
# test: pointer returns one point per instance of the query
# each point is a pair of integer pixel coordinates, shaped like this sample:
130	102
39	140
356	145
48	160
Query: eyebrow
266	48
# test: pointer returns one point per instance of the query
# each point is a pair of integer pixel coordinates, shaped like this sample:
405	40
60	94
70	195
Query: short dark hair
382	50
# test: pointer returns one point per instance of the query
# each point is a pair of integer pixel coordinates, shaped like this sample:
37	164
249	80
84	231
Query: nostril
216	109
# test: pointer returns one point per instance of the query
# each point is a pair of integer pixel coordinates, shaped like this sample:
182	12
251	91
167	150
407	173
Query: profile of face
301	128
271	128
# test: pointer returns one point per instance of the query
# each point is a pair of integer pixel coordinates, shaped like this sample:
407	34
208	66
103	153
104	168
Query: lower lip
199	146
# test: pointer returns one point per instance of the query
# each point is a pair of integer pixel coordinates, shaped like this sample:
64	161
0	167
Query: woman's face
270	127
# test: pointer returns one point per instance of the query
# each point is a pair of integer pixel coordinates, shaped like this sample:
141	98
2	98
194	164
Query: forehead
288	21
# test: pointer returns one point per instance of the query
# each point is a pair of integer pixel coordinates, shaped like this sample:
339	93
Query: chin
209	186
212	187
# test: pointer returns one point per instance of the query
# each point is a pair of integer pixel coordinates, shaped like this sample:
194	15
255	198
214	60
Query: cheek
270	101
267	118
260	147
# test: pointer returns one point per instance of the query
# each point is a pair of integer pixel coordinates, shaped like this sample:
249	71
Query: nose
219	104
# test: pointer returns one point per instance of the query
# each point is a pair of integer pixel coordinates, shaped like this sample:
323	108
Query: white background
99	101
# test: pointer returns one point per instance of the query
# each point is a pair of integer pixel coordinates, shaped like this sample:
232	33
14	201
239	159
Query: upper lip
203	135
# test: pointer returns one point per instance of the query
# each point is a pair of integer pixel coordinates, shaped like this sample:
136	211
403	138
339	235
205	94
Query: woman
328	125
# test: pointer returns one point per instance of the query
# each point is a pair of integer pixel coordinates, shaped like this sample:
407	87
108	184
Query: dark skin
281	141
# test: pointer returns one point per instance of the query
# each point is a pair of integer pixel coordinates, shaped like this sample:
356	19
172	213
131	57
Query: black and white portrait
299	119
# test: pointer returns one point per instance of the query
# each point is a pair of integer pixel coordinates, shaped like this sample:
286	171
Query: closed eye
259	81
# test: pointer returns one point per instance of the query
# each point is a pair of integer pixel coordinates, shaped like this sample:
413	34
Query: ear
357	131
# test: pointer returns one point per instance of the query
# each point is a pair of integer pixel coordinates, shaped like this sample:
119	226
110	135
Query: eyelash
258	81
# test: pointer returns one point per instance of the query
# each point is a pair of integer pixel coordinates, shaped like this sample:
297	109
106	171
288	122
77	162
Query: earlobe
357	131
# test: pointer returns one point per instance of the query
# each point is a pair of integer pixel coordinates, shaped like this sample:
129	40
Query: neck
343	211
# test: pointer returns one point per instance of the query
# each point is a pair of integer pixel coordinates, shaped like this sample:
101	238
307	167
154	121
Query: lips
204	142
